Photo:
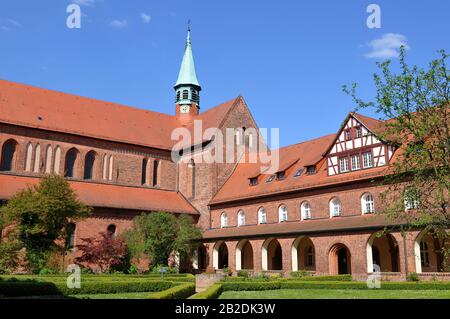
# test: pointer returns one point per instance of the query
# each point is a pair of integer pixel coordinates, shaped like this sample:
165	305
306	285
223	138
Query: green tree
40	215
159	234
414	102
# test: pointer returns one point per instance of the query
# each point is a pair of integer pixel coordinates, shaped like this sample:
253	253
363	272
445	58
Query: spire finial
189	25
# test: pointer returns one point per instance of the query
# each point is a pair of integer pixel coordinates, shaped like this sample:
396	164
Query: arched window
411	199
105	167
241	218
37	159
144	172
155	173
223	220
335	207
262	216
29	157
70	165
89	163
424	254
111	164
48	159
282	213
70	236
57	160
8	155
111	230
367	204
305	210
191	167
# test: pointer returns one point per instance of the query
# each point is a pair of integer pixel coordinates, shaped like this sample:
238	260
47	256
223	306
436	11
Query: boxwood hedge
182	291
212	292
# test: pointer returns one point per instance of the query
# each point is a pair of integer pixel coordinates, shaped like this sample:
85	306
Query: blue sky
289	59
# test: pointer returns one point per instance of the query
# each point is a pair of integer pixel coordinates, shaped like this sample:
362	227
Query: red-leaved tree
104	251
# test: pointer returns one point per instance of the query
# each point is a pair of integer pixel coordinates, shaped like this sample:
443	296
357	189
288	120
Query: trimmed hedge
178	292
212	292
237	286
245	285
305	278
36	288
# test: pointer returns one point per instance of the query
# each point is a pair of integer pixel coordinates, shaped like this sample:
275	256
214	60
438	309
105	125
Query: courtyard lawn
337	294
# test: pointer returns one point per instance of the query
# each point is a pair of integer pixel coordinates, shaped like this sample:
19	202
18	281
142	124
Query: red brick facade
322	244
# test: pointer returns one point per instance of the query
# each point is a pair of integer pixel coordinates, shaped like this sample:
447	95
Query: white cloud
87	3
120	24
146	18
4	28
15	23
388	46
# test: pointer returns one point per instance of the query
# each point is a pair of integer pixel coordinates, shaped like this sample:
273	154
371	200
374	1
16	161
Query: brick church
316	212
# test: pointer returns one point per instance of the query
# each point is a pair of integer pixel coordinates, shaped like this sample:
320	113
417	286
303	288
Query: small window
271	178
343	164
424	254
310	170
367	204
223	220
367	159
262	217
335	207
305	210
253	181
282	213
356	162
8	155
411	199
281	175
155	173
309	261
185	94
299	172
241	218
89	165
358	132
348	135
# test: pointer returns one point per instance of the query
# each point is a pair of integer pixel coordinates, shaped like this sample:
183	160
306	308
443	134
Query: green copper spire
187	88
187	73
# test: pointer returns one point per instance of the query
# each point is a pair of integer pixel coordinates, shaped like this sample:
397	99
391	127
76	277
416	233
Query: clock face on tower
185	108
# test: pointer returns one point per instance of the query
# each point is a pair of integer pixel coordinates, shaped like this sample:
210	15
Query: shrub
212	292
243	273
178	292
133	270
238	286
39	288
412	276
156	270
300	273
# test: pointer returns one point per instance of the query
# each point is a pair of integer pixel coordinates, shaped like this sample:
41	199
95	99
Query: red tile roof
110	196
307	226
310	152
51	110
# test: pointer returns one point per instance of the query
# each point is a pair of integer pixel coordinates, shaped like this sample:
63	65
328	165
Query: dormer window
253	181
299	172
281	175
271	178
310	170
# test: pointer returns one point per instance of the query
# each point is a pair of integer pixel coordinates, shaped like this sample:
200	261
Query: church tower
187	88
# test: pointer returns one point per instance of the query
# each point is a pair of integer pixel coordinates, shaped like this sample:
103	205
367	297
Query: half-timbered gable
356	147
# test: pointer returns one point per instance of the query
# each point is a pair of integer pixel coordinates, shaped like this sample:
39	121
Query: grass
337	294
